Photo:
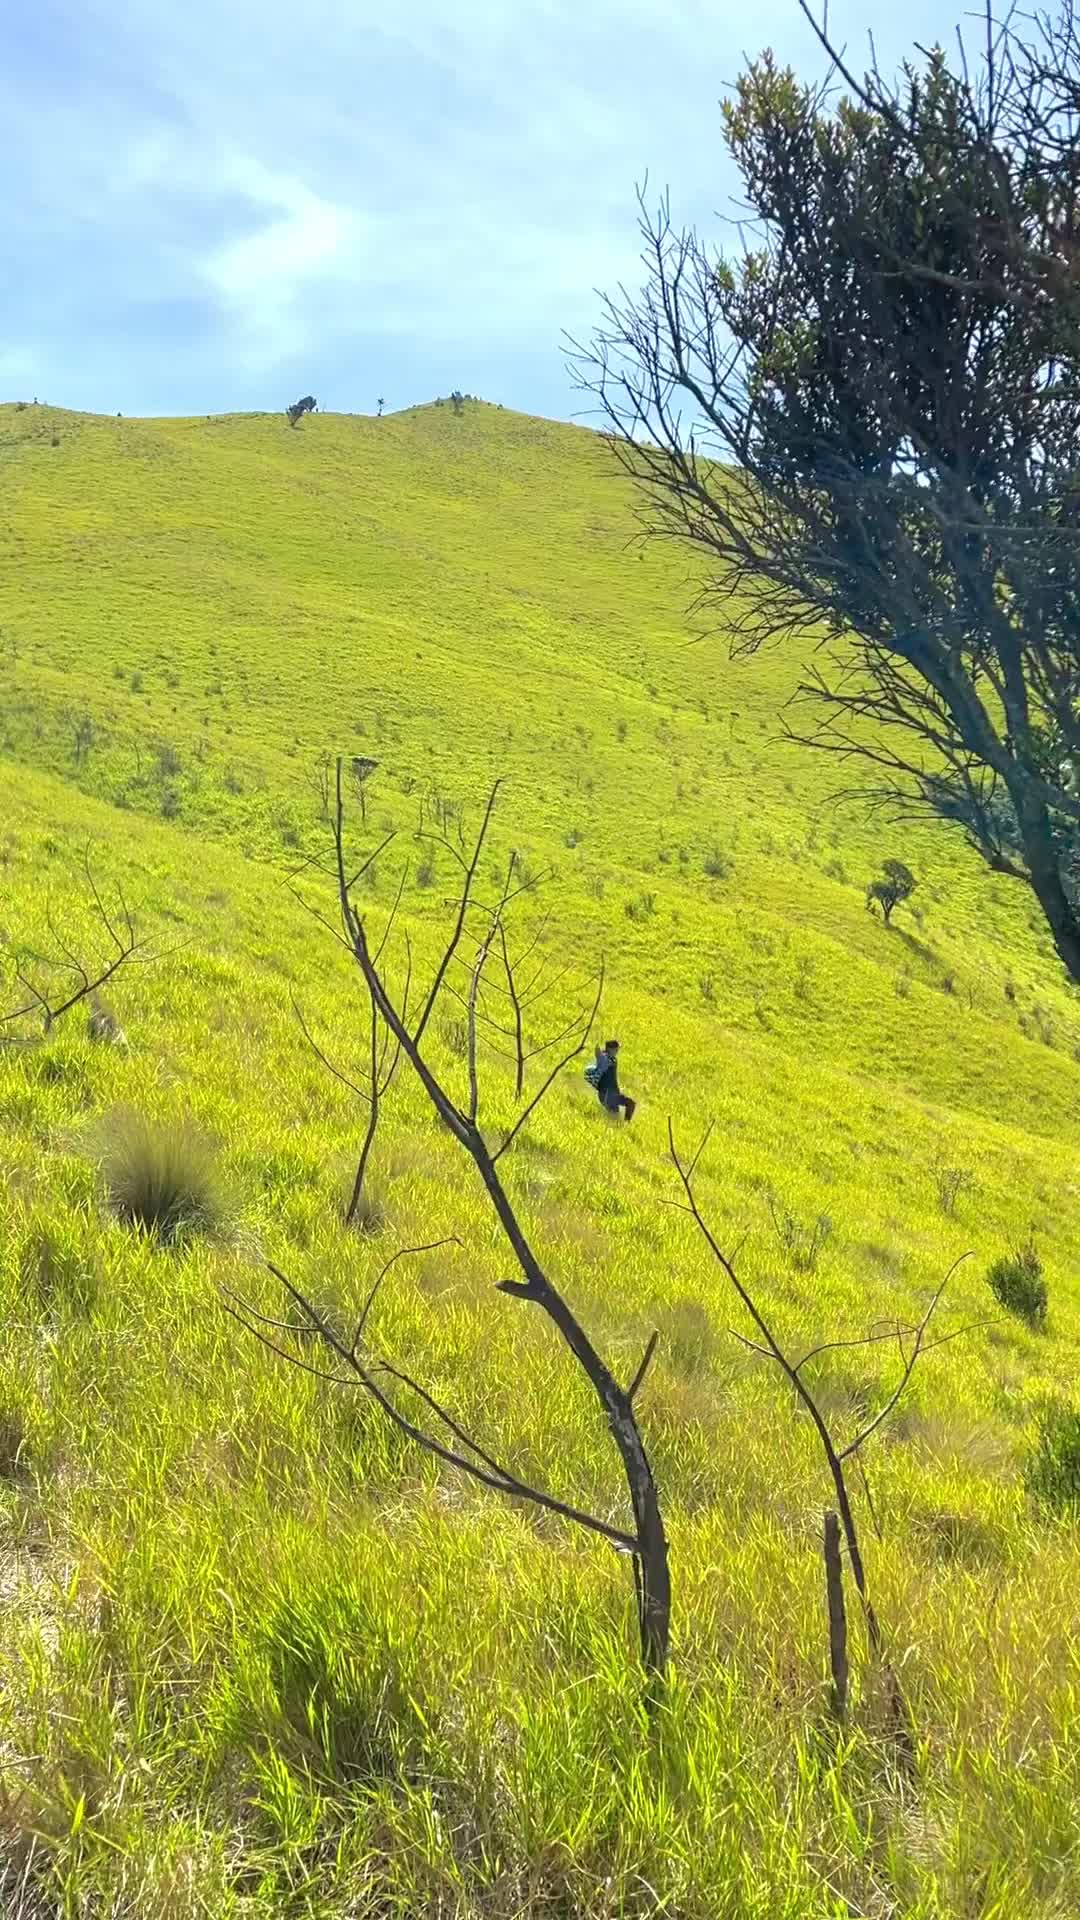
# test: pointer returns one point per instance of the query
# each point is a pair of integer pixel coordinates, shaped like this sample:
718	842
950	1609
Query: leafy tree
897	883
869	414
457	401
299	407
381	404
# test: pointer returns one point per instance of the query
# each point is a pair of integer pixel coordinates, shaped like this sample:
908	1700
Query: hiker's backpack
593	1073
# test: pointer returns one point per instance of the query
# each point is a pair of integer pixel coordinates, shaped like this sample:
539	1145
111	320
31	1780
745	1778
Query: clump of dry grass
160	1176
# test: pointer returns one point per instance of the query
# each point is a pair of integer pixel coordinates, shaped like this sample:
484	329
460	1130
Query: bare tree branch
126	948
492	1475
770	1348
646	1544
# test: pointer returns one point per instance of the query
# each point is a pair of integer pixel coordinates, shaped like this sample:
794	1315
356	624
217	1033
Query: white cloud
231	187
260	275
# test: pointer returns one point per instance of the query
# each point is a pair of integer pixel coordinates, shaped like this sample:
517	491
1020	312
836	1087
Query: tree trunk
654	1572
1043	867
654	1591
834	1588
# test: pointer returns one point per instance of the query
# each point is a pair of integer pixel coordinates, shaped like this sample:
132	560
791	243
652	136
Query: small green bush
160	1176
1052	1474
1017	1281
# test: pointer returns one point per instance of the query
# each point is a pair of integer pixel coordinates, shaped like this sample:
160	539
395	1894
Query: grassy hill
258	1657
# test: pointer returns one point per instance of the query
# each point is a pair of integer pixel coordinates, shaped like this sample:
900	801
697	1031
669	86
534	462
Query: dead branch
645	1542
769	1347
359	1372
51	1001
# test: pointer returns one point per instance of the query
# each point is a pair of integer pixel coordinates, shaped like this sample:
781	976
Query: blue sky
215	205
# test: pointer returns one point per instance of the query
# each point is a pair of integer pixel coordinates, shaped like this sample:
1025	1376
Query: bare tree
53	984
381	1061
867	417
85	734
320	778
362	768
912	1343
479	927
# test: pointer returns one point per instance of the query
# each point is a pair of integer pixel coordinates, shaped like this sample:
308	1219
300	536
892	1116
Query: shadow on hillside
915	945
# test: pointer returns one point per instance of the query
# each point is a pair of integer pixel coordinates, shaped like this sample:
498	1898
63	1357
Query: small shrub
642	908
1018	1283
951	1183
802	1244
620	729
160	1176
708	989
170	802
1052	1473
903	985
136	682
425	872
717	865
168	760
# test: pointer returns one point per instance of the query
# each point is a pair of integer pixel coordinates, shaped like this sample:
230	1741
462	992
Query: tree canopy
867	410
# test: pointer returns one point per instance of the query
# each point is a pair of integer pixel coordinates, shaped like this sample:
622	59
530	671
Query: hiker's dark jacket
607	1080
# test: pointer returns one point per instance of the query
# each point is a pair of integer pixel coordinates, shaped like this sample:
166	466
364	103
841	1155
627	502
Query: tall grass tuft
1018	1282
160	1176
1052	1472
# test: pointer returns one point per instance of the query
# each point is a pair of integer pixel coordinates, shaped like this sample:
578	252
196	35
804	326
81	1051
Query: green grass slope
258	1657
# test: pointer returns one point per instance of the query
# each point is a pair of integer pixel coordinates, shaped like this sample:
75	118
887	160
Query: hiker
604	1076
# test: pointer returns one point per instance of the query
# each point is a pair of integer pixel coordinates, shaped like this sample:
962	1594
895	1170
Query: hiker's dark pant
614	1101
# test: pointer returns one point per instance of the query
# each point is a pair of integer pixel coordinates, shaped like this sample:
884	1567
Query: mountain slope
286	1667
